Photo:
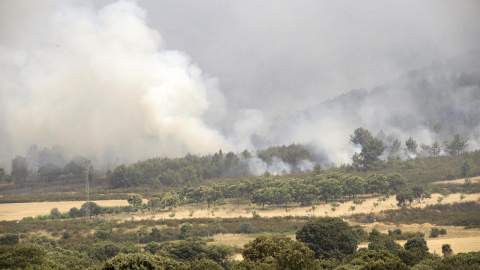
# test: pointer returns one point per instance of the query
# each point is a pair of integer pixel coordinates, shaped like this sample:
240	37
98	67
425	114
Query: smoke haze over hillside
137	79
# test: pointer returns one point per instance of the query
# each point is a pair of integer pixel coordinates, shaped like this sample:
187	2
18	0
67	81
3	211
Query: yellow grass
459	238
17	211
459	181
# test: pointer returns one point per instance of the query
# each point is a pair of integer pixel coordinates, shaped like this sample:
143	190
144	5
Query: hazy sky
154	78
278	55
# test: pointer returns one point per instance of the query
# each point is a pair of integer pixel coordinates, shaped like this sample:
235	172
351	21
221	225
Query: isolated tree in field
154	203
435	149
328	237
135	200
456	145
411	145
19	168
171	199
446	249
372	149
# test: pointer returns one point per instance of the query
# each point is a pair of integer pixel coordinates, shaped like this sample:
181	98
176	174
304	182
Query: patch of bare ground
459	181
459	238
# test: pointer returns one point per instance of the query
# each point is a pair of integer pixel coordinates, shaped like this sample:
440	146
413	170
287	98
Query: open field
246	210
459	181
16	211
459	238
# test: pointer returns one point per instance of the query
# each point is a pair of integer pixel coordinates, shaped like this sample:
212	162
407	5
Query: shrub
434	232
9	239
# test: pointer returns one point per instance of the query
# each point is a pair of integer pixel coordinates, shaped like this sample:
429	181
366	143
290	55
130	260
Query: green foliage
171	199
380	241
135	200
446	249
411	145
186	229
21	256
9	239
19	168
142	261
103	231
372	148
278	252
416	242
328	237
456	145
195	249
372	259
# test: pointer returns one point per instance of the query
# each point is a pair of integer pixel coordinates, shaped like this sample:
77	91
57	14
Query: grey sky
279	55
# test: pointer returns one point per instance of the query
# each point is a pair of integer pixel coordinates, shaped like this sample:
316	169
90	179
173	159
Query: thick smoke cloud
98	78
132	80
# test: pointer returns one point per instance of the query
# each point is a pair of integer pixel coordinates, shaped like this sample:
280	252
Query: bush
434	232
9	239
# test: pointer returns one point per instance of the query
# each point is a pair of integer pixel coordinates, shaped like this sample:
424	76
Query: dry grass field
461	240
459	181
16	211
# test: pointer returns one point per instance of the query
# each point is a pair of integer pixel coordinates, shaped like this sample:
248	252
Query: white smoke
98	78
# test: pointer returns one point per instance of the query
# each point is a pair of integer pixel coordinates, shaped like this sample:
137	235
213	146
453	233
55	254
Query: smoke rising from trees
121	79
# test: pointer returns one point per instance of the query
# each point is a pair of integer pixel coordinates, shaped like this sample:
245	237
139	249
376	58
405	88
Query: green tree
123	177
204	264
353	185
446	250
465	169
142	261
376	183
435	149
2	174
456	145
396	182
49	171
328	237
95	209
411	145
186	230
19	168
135	200
22	256
171	199
154	203
380	241
372	259
74	168
103	231
279	252
329	188
372	149
416	242
9	239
